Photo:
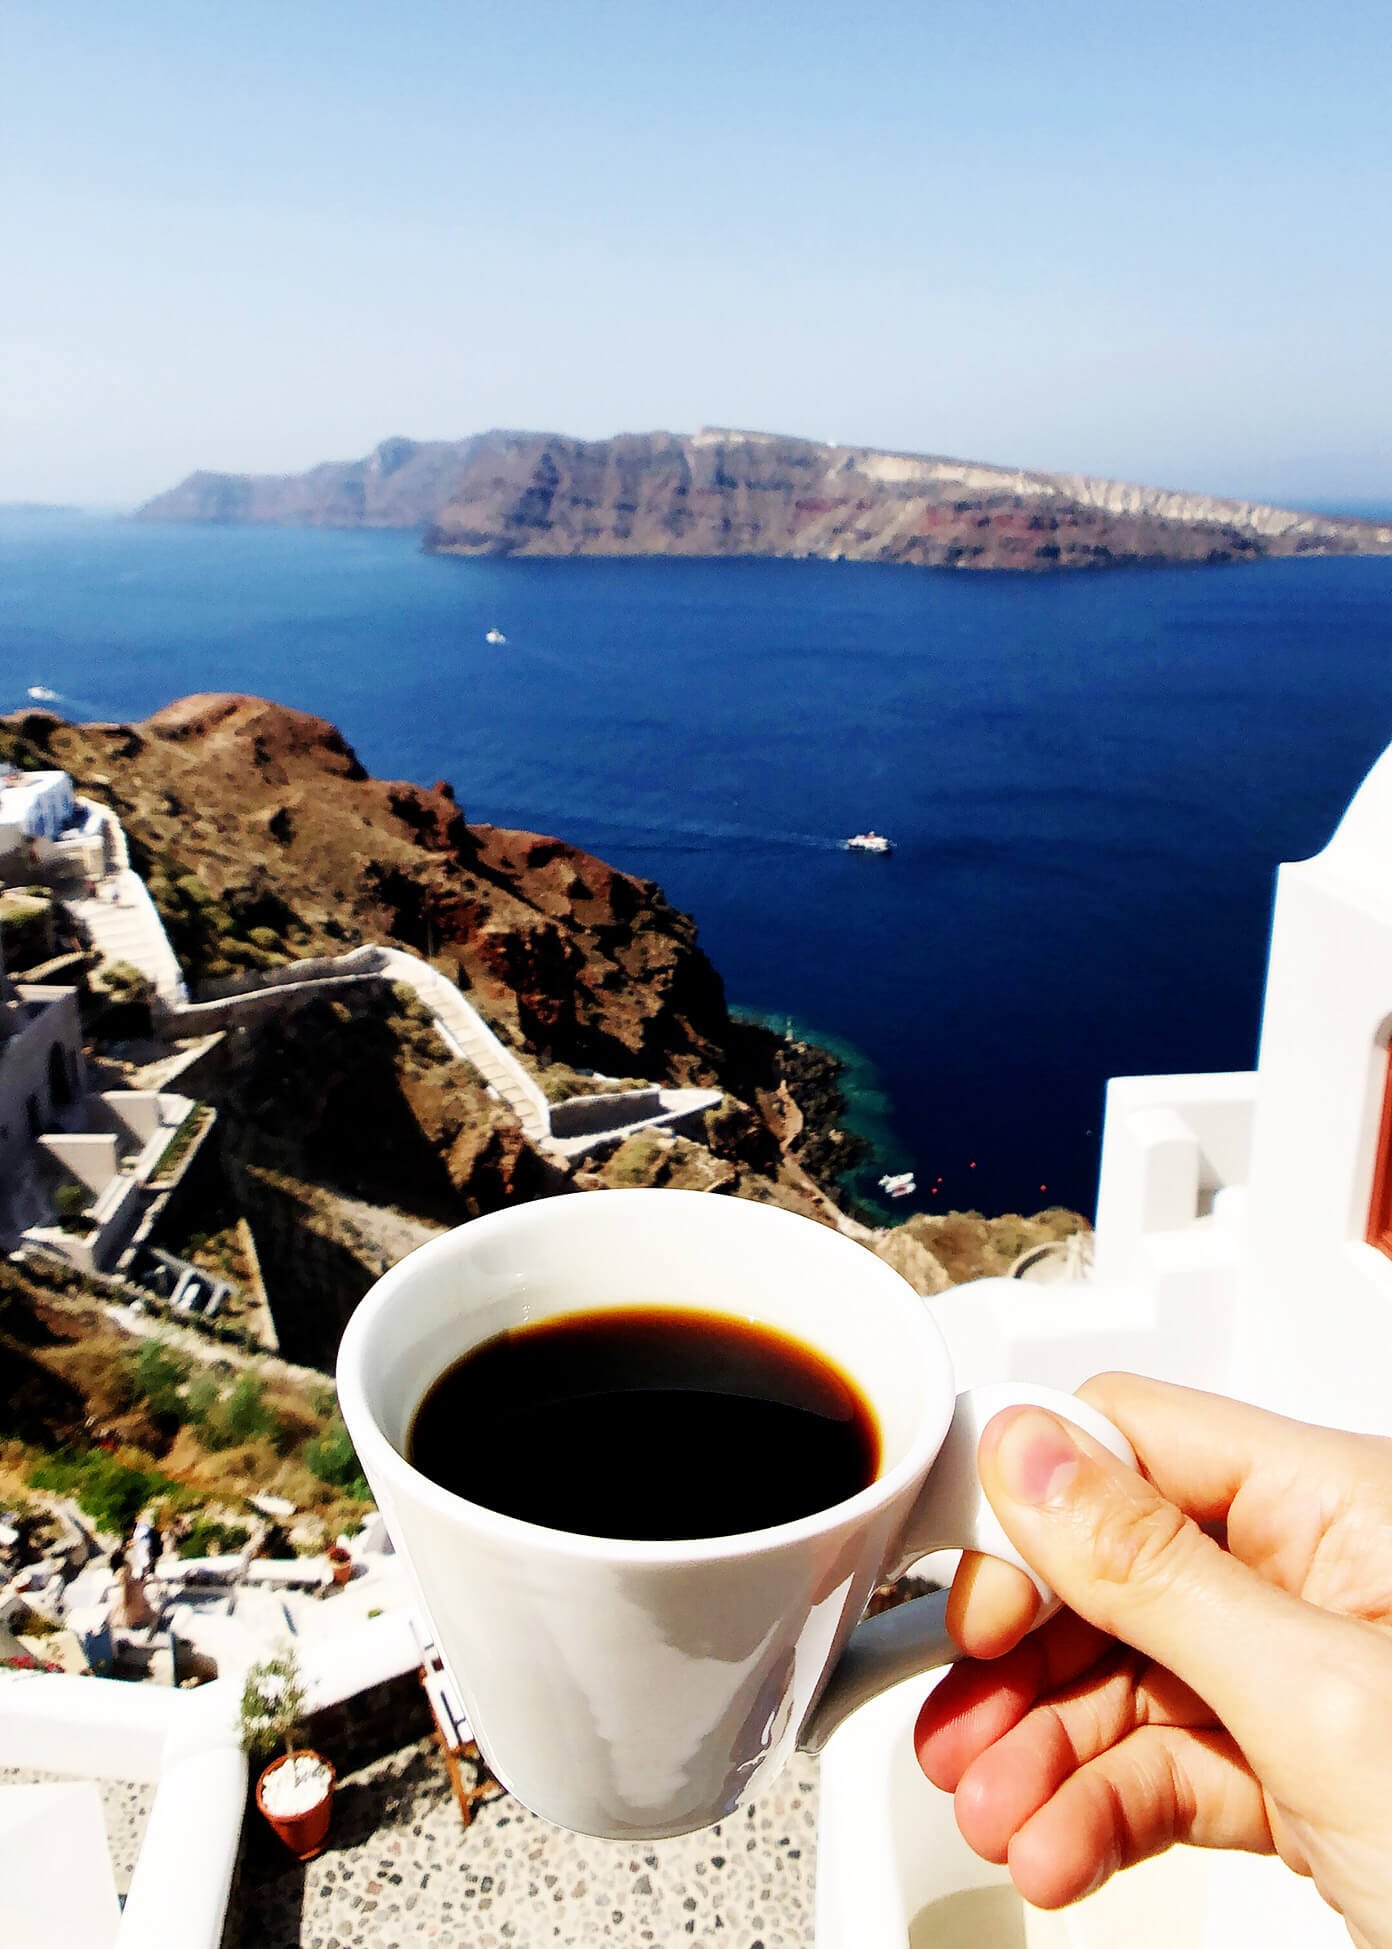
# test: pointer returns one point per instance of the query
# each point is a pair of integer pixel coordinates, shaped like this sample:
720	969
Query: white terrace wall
244	1007
26	1066
357	961
1315	1282
580	1116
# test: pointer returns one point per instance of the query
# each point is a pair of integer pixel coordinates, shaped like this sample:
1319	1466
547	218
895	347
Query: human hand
1224	1674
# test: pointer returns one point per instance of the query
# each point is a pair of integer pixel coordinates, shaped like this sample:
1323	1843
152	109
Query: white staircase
121	920
122	924
464	1031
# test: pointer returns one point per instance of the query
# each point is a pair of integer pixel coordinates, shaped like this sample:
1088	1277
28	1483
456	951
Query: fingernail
1035	1457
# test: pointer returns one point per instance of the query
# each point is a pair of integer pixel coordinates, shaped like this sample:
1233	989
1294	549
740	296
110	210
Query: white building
1244	1244
42	1070
46	832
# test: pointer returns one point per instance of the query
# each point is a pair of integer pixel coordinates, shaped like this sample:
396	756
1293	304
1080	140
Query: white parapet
186	1744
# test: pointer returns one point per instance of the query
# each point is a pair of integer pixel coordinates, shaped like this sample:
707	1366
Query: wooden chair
470	1780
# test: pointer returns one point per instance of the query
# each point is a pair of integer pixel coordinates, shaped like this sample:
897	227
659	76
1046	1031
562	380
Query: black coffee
646	1422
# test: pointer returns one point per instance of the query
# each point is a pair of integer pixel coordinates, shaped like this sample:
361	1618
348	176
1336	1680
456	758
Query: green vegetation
26	926
414	1028
635	1160
162	1378
125	983
218	935
181	1142
70	1203
156	1375
273	1704
406	1003
111	1492
245	1415
207	1537
332	1457
116	1423
558	1081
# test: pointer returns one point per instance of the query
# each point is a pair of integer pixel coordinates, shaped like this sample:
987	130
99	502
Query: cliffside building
46	831
42	1070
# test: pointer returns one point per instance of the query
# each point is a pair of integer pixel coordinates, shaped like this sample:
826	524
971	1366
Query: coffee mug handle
952	1513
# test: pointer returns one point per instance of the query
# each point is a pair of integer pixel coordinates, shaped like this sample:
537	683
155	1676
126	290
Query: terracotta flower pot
302	1833
341	1564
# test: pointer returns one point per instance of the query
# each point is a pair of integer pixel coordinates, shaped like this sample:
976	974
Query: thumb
1133	1564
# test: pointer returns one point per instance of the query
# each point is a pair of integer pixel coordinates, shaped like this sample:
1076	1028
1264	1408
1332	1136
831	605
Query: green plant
636	1158
174	1151
245	1416
158	1375
207	1537
332	1457
201	1398
273	1704
203	1404
70	1207
408	1004
112	1493
125	983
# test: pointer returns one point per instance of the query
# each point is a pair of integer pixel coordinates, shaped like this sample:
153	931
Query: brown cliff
263	839
724	493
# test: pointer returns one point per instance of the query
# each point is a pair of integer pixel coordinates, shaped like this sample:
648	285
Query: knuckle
1143	1543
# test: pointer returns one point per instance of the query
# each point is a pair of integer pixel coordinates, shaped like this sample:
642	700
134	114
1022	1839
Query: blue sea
1089	780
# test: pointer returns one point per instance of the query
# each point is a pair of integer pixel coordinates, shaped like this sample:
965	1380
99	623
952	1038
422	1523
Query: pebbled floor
400	1869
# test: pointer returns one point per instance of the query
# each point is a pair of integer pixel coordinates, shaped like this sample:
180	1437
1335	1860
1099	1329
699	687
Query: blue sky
1151	243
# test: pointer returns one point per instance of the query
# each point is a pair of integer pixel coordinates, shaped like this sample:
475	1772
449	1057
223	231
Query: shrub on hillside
206	1537
125	983
202	1399
332	1457
158	1375
112	1493
230	1420
245	1415
70	1207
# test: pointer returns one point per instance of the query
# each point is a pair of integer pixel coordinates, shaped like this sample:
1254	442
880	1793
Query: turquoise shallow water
869	1112
1089	779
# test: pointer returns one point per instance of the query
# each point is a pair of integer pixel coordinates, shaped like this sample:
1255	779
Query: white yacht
898	1184
869	842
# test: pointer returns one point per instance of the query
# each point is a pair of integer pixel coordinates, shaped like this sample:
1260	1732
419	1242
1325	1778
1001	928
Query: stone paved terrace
399	1868
125	1806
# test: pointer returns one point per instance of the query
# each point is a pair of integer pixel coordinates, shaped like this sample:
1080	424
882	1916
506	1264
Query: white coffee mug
639	1689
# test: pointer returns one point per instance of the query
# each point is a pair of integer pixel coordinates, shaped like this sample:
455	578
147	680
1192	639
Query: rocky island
721	492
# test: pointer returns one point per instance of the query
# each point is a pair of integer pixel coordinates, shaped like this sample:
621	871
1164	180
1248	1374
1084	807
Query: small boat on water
898	1184
869	842
495	636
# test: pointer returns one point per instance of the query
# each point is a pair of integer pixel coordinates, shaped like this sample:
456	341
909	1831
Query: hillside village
267	1024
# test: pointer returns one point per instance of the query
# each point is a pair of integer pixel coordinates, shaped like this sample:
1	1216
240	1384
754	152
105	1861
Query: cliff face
400	484
263	838
720	492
